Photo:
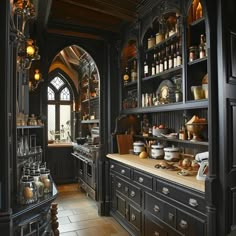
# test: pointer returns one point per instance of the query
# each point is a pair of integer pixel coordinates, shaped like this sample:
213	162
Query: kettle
202	159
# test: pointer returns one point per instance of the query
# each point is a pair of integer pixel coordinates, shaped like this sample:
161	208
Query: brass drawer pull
165	190
112	166
132	193
156	233
133	217
193	202
126	189
122	172
119	185
140	180
183	224
156	208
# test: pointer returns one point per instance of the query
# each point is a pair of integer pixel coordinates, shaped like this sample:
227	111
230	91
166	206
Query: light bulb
37	75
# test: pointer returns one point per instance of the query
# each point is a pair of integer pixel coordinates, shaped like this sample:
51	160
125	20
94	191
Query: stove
87	158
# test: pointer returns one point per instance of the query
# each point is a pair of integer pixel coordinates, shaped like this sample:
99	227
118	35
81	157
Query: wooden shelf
174	140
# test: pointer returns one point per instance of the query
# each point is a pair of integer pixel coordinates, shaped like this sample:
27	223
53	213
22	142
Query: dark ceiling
91	18
95	19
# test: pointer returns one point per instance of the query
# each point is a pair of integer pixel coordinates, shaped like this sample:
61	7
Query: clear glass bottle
134	71
161	66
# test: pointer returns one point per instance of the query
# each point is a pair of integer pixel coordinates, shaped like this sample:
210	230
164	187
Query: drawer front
135	217
143	179
153	228
135	194
189	225
129	190
154	205
189	199
120	169
122	186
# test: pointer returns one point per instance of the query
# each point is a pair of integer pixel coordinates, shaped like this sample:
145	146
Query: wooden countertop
60	145
148	165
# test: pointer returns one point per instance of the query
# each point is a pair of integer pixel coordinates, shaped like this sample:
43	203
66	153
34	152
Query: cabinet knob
132	193
126	189
140	180
165	190
122	171
119	185
156	233
112	166
133	217
193	202
183	224
156	208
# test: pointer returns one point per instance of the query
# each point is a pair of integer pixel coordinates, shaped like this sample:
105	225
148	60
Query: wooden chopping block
124	142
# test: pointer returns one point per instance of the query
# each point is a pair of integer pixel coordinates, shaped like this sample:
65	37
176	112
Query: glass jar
28	190
45	178
38	183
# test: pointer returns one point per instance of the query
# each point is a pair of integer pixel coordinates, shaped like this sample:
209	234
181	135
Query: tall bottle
146	67
134	71
202	47
153	70
126	76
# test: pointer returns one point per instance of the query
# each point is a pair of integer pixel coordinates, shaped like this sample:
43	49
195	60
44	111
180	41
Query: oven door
90	174
81	166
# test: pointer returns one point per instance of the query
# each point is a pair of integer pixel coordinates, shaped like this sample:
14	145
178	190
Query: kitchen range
87	156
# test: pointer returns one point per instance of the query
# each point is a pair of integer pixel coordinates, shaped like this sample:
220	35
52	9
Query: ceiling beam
106	8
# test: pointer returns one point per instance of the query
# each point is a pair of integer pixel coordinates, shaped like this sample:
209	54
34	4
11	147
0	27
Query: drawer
187	197
152	228
135	217
129	190
143	179
189	225
121	186
154	205
120	169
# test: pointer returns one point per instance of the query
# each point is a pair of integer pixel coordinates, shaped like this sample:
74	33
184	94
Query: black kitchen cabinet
149	205
62	164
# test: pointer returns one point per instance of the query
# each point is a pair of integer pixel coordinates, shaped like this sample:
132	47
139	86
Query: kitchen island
150	201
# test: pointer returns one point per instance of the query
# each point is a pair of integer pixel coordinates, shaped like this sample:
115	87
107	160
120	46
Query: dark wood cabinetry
150	205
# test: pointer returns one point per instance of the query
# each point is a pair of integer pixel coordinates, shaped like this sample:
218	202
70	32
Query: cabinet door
134	217
121	205
189	225
153	228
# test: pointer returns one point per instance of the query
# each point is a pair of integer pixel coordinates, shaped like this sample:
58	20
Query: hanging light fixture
27	52
37	79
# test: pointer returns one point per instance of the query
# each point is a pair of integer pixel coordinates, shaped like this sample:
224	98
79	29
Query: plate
165	92
170	136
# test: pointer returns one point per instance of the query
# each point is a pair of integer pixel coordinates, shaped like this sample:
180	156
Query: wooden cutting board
124	143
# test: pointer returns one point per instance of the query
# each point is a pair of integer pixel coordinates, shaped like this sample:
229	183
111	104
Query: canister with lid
157	151
28	190
138	147
172	153
46	180
151	42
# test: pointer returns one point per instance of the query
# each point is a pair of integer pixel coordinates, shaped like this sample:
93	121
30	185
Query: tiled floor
77	215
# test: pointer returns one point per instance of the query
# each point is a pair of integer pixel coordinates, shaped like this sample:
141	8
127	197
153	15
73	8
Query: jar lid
138	143
171	149
157	146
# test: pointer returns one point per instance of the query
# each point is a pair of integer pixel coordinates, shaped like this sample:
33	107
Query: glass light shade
37	75
30	50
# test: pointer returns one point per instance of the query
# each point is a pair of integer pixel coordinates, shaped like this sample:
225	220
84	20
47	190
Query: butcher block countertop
148	165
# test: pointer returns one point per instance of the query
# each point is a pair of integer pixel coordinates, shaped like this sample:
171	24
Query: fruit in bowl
159	130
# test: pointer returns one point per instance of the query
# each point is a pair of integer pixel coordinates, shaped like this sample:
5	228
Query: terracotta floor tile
78	215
